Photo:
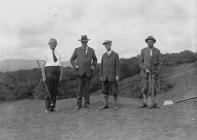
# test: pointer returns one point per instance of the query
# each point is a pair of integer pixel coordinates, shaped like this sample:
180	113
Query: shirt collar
84	47
52	50
109	52
151	48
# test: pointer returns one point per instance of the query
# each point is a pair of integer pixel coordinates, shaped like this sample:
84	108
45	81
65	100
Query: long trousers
150	89
84	83
52	81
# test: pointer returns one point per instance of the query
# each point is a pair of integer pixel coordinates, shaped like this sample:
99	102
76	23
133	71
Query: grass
26	120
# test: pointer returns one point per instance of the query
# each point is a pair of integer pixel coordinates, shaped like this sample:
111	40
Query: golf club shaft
186	99
46	85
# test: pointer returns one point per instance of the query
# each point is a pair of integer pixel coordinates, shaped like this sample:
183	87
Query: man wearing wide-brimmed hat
149	60
84	61
109	74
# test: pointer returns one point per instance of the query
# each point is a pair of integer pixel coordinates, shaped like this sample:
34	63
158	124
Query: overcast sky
27	25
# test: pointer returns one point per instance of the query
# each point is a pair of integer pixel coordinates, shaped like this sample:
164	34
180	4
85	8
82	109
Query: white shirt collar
85	47
109	52
51	50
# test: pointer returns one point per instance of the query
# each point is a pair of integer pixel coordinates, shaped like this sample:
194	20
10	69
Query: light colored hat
107	42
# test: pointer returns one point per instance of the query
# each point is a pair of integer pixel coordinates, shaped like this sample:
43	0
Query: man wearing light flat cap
84	61
109	74
149	61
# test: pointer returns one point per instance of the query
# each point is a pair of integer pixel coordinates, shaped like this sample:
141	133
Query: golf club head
168	102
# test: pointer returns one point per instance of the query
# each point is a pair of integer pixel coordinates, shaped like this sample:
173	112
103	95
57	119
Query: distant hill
21	64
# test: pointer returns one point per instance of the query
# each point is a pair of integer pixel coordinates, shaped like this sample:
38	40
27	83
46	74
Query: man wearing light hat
109	74
149	61
84	61
51	73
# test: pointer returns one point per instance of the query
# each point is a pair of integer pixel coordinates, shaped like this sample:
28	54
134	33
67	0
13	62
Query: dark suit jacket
110	66
146	61
84	61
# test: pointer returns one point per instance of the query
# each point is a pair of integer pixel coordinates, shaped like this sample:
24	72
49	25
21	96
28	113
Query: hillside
26	119
21	64
131	87
27	84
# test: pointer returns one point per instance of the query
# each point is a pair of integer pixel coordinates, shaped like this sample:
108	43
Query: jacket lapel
148	52
84	53
109	55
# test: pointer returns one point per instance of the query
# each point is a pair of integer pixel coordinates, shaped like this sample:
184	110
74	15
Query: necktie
85	50
54	57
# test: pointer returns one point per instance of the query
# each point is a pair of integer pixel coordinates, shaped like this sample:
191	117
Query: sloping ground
184	81
131	87
26	120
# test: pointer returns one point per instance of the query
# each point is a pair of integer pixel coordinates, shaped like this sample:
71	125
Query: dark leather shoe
104	107
116	107
88	106
143	105
151	107
156	105
53	109
78	107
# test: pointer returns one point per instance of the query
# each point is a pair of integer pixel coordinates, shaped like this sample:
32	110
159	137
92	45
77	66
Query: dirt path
26	120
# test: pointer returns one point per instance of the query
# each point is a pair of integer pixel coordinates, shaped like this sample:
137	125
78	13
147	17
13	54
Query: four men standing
84	61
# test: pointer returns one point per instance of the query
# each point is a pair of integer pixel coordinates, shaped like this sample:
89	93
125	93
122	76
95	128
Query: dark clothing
110	66
84	84
110	87
84	60
52	81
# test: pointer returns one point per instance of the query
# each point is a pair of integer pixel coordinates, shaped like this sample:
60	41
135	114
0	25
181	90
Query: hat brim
150	39
83	40
107	43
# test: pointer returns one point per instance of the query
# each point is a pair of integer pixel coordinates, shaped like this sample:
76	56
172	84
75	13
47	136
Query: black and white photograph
98	70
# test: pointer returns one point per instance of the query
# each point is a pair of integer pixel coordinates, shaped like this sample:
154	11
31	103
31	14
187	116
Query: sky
27	25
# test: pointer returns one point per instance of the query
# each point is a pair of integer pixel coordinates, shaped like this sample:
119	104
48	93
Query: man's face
108	46
84	43
52	45
150	42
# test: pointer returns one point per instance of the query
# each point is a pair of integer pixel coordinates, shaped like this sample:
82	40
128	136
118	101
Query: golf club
46	86
170	102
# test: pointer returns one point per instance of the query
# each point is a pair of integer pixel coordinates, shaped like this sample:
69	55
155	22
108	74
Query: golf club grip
38	64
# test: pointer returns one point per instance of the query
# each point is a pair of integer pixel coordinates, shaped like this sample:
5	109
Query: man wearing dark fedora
84	61
109	74
149	61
